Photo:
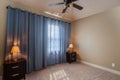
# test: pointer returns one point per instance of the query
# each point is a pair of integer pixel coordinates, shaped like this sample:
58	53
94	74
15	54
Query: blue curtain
44	40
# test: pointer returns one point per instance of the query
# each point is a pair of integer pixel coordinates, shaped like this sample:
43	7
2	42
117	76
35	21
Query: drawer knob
14	67
15	75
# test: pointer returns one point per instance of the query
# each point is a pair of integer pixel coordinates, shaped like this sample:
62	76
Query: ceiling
91	7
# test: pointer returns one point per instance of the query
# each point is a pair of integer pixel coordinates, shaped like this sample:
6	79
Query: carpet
74	71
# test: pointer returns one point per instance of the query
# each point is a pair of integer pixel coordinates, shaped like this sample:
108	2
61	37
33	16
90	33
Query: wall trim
101	67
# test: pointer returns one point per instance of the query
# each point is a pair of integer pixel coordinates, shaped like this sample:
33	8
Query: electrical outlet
113	65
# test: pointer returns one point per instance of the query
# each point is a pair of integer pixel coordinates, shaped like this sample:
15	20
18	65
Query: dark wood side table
14	70
71	57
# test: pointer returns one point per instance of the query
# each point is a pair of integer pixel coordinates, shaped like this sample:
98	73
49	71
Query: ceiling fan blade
77	6
64	10
56	4
74	0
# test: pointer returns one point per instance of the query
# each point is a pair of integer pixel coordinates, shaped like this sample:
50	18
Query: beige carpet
74	71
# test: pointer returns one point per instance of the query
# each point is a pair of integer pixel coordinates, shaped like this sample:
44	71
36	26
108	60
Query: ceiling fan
67	4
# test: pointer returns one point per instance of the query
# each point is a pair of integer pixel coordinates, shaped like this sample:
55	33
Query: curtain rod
36	14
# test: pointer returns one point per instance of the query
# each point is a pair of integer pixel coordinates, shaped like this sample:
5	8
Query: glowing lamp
15	51
71	45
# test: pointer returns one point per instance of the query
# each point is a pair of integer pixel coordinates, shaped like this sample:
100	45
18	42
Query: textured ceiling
91	7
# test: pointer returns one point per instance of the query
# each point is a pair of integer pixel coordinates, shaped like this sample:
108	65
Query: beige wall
97	38
3	11
3	16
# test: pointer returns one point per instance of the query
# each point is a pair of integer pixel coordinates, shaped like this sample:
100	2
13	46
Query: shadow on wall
1	67
0	62
77	51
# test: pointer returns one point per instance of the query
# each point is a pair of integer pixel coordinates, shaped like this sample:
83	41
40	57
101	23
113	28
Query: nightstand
71	57
14	70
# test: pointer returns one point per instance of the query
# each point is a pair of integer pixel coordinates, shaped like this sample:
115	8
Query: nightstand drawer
71	57
17	71
14	70
15	65
16	76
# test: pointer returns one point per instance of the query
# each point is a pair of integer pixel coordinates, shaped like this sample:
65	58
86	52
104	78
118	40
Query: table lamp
15	51
71	47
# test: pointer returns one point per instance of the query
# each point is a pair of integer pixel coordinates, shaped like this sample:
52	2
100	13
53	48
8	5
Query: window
53	38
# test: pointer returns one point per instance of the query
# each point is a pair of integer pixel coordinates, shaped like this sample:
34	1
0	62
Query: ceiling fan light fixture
53	14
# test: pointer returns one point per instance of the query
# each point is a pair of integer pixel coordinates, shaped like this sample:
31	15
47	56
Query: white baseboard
100	67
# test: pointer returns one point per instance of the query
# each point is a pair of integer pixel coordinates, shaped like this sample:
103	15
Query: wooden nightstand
14	70
71	57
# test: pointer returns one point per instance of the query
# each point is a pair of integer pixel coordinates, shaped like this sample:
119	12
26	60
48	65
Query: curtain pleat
42	39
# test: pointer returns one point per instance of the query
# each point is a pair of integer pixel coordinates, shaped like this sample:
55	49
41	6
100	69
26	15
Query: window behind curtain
53	38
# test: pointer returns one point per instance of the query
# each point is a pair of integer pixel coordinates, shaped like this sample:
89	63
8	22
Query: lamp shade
70	45
15	49
15	52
